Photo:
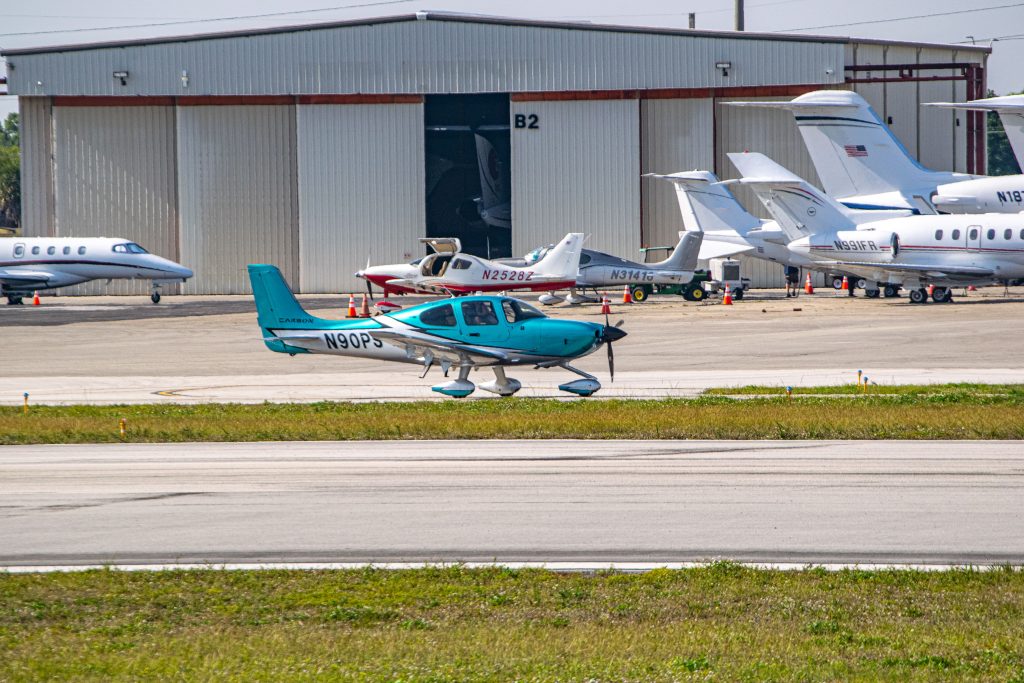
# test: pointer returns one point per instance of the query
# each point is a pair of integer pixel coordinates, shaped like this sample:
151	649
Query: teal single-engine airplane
464	333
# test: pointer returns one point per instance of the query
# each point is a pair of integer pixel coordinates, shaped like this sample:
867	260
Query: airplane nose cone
360	273
613	334
184	273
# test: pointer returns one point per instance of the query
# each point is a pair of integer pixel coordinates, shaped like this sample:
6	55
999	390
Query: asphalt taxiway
653	502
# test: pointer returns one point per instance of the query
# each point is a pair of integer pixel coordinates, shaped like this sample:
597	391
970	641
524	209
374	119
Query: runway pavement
573	502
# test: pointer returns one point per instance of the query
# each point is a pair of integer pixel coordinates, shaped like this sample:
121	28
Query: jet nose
613	334
184	273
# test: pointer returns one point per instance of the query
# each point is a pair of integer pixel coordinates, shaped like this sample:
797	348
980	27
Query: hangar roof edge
479	19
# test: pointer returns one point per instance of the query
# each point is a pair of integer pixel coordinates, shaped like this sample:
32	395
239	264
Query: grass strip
950	415
854	389
720	622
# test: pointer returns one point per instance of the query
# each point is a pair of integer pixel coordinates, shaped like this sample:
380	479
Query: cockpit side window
479	313
439	316
120	248
584	259
135	249
460	264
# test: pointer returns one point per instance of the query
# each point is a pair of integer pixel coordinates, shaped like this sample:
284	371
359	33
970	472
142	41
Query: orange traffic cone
364	311
846	284
727	297
626	297
931	291
352	306
808	287
606	307
35	298
972	288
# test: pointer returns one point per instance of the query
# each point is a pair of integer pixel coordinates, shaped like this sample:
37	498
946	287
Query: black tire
919	296
860	284
155	297
698	294
871	293
738	294
837	282
942	295
891	291
14	301
639	294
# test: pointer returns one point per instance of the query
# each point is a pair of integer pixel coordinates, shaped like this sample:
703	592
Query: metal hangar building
317	147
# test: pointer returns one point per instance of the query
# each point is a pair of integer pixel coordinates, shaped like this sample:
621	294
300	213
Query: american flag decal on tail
856	150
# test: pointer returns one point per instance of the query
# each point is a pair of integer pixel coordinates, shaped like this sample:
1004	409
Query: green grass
853	389
952	414
720	622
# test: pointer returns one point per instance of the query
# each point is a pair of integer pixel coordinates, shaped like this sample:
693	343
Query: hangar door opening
468	183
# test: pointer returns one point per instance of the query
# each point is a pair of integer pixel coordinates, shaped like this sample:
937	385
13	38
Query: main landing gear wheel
942	295
919	296
891	291
14	301
837	282
639	294
155	297
871	293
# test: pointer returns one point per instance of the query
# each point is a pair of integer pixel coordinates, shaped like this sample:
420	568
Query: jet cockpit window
67	250
439	316
956	235
938	235
81	251
584	259
19	250
120	248
136	249
460	264
51	250
479	313
517	312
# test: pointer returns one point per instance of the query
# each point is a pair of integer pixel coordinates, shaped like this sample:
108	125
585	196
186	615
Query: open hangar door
468	184
576	168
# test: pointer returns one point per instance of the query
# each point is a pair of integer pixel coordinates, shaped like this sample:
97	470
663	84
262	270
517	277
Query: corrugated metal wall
676	135
578	171
36	129
937	148
115	177
432	56
237	194
361	190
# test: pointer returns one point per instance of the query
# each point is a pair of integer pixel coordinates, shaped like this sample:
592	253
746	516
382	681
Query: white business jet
862	164
911	251
29	264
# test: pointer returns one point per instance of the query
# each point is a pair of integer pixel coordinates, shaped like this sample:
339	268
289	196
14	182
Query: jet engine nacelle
846	245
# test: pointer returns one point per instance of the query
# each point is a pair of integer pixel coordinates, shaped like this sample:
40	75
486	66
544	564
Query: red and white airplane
450	270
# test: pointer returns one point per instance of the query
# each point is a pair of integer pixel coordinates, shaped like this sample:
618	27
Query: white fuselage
991	242
38	263
994	194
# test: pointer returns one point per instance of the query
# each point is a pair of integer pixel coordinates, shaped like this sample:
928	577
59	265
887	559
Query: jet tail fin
563	259
276	306
853	151
1011	113
708	206
799	208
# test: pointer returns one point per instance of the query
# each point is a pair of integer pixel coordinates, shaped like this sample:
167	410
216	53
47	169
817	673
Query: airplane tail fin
708	206
686	253
563	259
799	208
276	306
1011	113
853	151
494	187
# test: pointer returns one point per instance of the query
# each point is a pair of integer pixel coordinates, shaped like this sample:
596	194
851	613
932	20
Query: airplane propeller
609	335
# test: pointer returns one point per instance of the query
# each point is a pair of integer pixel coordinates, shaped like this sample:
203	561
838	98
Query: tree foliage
1001	160
10	173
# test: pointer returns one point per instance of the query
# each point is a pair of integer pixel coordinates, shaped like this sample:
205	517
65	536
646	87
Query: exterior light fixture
724	66
121	76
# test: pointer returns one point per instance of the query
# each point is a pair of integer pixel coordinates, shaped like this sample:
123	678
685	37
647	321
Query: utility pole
739	15
693	20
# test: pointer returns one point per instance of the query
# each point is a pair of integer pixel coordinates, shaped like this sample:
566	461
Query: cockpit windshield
517	311
128	248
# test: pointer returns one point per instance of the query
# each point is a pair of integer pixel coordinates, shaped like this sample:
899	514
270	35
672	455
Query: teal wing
426	347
